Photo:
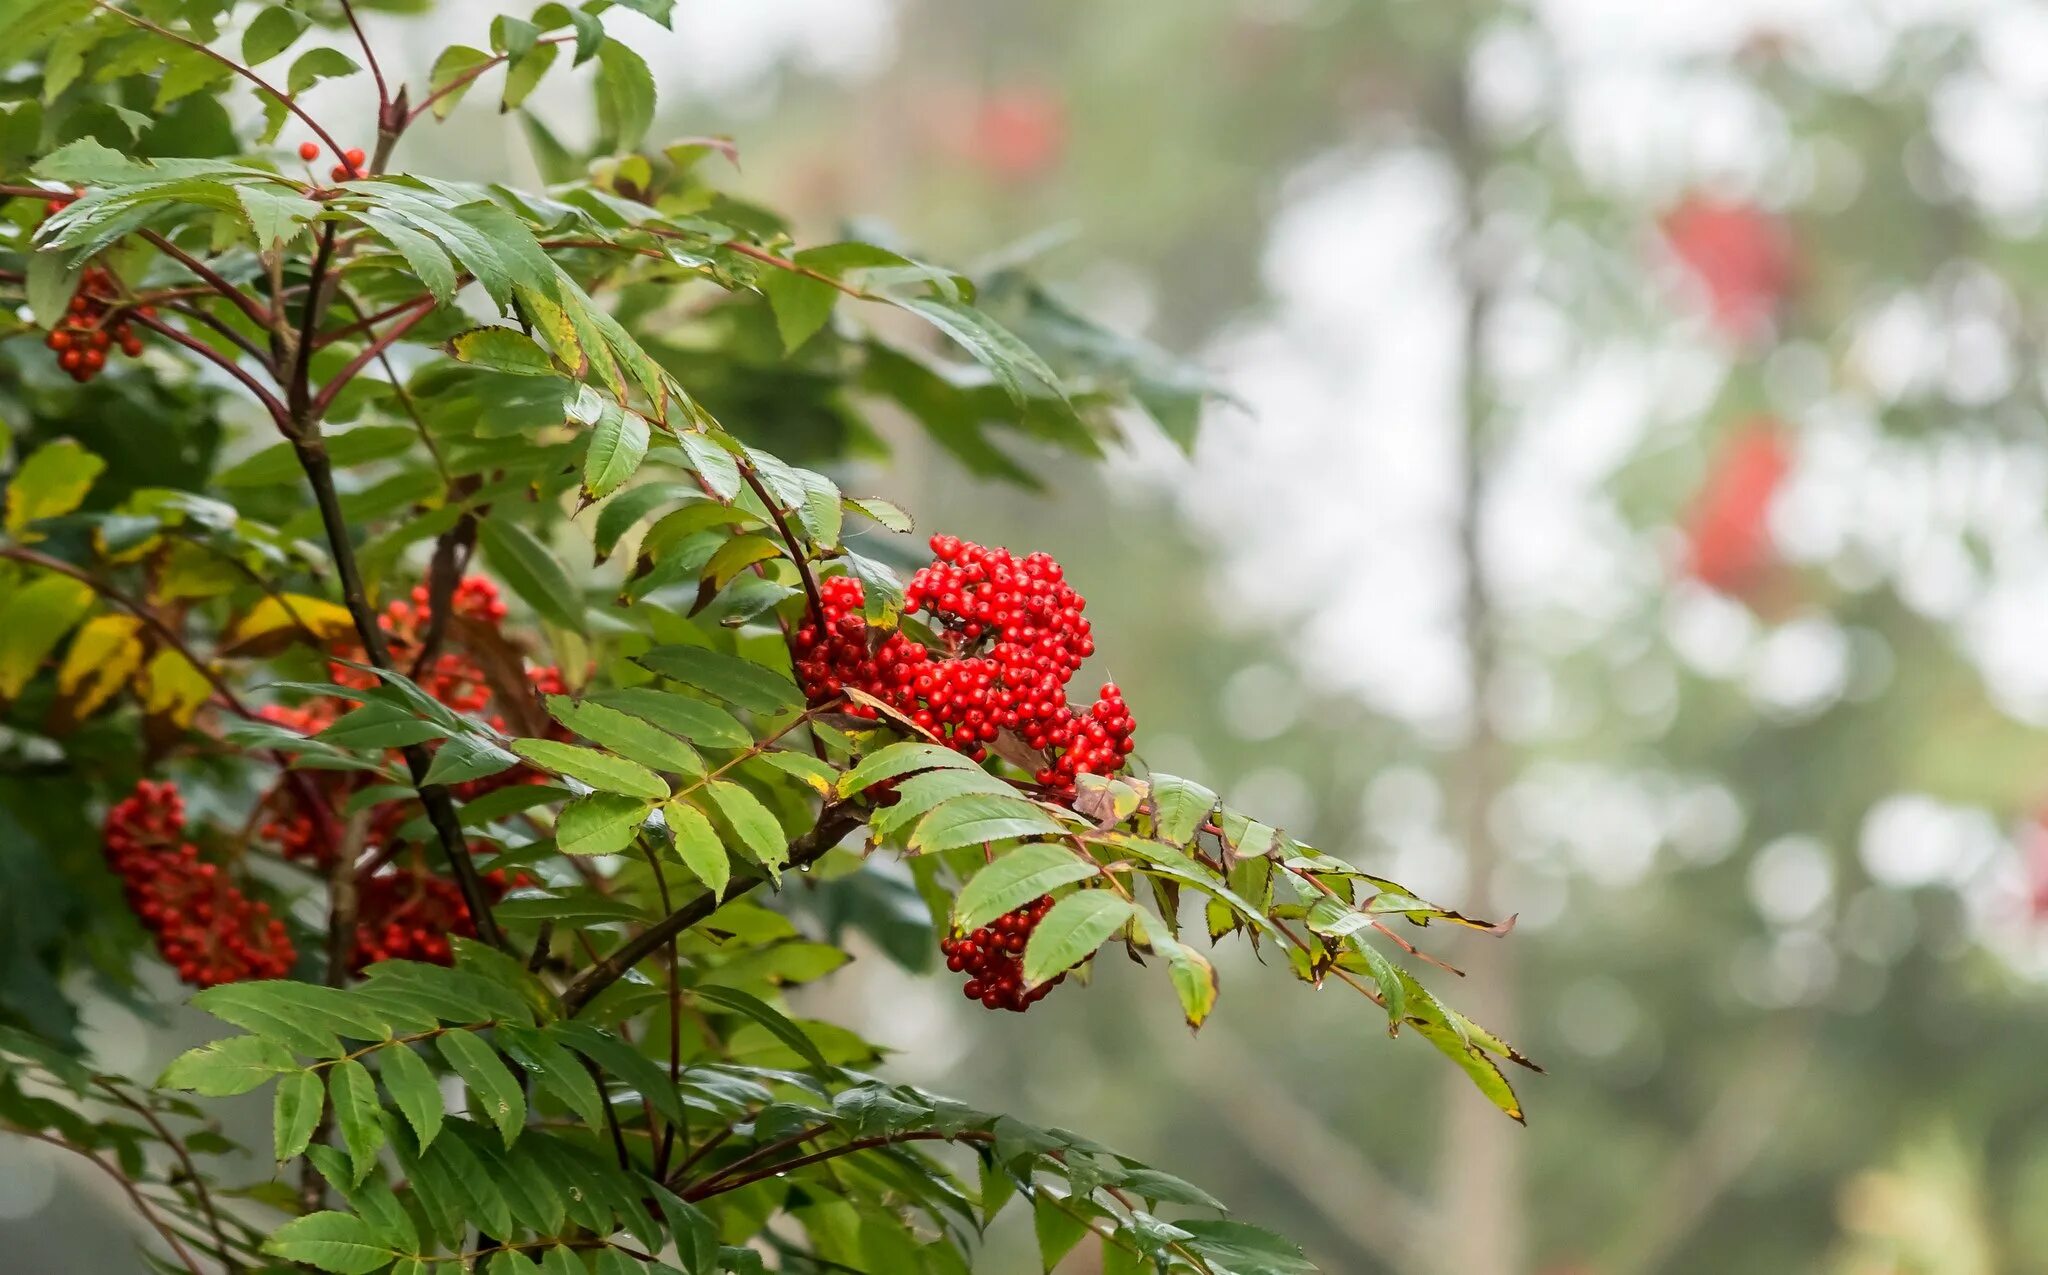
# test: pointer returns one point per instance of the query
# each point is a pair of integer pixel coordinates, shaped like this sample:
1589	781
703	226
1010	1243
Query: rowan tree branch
440	808
834	822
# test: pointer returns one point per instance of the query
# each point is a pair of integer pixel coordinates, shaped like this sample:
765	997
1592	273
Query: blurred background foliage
1627	511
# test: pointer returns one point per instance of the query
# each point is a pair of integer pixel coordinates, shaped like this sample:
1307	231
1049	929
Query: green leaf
919	794
494	1090
228	1067
467	757
762	1012
1072	930
556	1071
450	69
1182	805
888	515
1059	1223
561	1260
619	1060
758	829
269	1009
525	72
1194	978
535	574
881	591
315	65
601	771
50	483
624	511
1239	1246
628	736
354	1095
295	1114
600	823
271	32
379	724
275	217
502	350
617	446
977	819
728	677
705	725
414	1090
1017	878
736	555
1016	367
902	759
423	254
509	1261
721	473
625	95
802	304
339	1242
371	1199
698	846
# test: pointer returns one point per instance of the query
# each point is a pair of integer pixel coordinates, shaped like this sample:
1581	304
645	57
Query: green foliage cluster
540	383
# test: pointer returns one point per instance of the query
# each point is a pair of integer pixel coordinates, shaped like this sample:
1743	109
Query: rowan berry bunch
1014	637
93	324
404	911
350	167
206	928
453	676
992	957
411	914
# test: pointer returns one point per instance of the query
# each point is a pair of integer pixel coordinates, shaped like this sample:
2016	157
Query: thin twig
834	822
369	56
177	1147
375	348
270	402
257	314
675	1014
128	1186
719	1186
285	99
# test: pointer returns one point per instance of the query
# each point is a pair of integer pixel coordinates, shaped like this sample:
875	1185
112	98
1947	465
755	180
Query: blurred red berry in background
1019	132
1741	255
1727	530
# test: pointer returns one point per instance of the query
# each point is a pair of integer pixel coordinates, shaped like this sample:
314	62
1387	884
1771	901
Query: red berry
309	151
353	157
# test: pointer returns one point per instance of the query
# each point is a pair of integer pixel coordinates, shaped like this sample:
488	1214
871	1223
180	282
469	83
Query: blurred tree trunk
1481	1200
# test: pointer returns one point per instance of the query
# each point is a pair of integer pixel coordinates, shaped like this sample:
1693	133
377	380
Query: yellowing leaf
106	653
34	619
174	687
295	613
50	483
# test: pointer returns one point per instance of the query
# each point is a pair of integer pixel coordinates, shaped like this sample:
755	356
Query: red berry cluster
92	325
404	911
350	167
205	927
453	677
412	915
1014	636
992	959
